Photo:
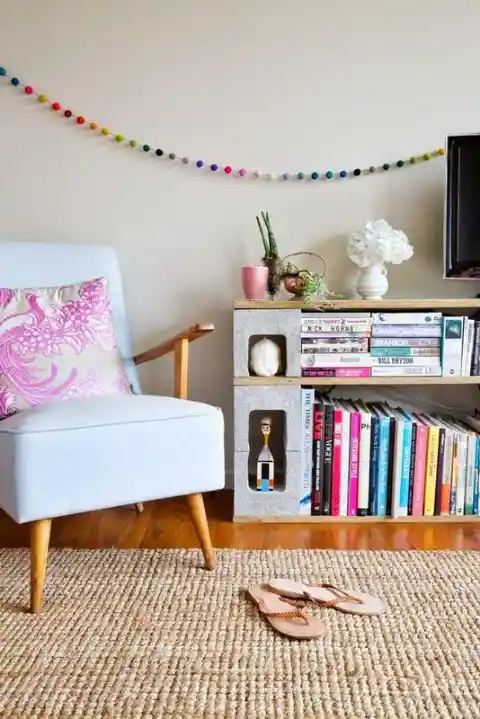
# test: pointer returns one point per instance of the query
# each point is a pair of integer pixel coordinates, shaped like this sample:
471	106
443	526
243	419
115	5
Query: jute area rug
147	633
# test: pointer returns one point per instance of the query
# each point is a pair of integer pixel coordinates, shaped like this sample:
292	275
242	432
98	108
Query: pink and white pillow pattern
57	343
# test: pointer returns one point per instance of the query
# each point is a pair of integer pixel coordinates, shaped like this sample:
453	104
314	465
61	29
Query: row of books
376	459
378	344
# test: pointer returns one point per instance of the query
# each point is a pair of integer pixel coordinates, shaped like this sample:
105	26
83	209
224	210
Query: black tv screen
462	208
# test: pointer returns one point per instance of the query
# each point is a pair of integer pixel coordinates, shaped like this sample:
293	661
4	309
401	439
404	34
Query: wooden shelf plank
363	381
357	520
453	303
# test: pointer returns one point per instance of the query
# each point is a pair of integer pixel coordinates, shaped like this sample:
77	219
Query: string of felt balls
227	170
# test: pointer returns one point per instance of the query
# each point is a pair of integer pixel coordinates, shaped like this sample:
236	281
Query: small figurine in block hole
265	463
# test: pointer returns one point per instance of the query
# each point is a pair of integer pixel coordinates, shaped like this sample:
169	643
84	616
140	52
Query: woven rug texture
147	633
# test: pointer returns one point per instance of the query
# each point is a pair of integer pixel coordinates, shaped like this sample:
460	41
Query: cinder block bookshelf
268	409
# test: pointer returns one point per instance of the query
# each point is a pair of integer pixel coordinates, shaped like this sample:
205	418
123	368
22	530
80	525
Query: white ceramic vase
372	282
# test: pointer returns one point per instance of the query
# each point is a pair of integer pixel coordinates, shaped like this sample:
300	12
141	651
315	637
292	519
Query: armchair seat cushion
72	456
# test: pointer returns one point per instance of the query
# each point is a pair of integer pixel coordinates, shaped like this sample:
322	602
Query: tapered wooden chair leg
40	539
199	517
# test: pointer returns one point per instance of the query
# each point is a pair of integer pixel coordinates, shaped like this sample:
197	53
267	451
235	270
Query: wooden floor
167	524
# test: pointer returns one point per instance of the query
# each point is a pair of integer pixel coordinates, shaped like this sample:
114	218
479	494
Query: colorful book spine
356	359
383	463
440	465
328	327
447	472
411	476
340	345
336	461
476	487
467	346
307	450
405	351
407	318
327	460
312	334
406	361
462	474
406	331
408	342
455	471
406	459
345	470
374	463
431	470
318	452
337	372
407	371
470	483
354	456
420	469
364	459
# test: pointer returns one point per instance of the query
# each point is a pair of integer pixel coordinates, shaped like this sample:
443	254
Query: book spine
410	371
391	463
374	458
405	318
318	451
467	346
476	487
316	344
406	331
475	368
334	349
405	351
407	342
364	464
420	470
327	327
307	450
327	461
342	315
354	455
345	464
337	372
335	360
364	334
454	478
469	490
452	346
439	479
431	470
336	462
461	476
447	473
411	475
406	361
382	490
399	428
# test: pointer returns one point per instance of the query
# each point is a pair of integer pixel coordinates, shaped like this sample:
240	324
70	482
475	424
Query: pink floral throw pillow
57	343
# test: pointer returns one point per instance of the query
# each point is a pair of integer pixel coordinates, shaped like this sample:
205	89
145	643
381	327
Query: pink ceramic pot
254	281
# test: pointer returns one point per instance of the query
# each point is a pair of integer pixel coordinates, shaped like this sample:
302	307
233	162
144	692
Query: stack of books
406	344
376	459
336	344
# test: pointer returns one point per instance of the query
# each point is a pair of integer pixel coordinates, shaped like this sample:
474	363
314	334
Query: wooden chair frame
40	529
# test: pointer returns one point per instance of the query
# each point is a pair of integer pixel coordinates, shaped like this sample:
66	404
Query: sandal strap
340	598
284	615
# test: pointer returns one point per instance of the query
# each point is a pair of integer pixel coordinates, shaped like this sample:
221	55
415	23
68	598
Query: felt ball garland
227	170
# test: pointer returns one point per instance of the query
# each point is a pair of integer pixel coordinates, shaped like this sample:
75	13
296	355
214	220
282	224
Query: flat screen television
461	251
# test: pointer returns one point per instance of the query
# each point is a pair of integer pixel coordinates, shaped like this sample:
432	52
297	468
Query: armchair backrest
36	264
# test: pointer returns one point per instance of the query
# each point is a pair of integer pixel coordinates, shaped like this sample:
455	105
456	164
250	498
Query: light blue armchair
67	457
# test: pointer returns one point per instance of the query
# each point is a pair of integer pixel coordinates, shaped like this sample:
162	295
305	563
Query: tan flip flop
284	615
326	595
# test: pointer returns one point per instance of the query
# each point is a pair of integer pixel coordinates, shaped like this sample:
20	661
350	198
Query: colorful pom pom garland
227	170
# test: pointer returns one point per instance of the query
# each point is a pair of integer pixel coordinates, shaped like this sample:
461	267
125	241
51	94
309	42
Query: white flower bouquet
378	242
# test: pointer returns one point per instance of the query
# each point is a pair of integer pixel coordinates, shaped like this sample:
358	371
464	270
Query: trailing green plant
310	283
268	237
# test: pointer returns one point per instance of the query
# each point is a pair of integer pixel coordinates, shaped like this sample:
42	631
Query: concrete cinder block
247	323
276	397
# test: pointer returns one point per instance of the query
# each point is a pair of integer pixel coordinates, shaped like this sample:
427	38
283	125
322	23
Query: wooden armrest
192	333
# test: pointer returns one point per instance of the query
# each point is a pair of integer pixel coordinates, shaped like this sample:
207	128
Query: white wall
277	84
